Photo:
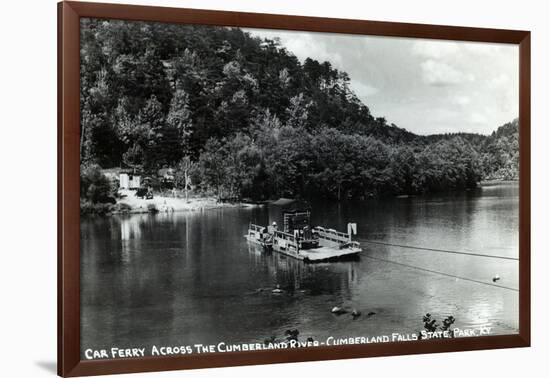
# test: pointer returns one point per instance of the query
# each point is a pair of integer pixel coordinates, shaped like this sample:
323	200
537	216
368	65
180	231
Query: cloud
435	49
440	74
461	100
500	81
482	48
478	118
363	90
303	45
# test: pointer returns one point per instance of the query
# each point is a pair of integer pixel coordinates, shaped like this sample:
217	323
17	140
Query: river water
186	278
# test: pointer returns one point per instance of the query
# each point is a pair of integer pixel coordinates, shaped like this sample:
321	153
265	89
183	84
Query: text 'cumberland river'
188	278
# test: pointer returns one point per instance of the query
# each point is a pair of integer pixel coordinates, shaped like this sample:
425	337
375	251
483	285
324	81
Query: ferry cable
441	273
439	250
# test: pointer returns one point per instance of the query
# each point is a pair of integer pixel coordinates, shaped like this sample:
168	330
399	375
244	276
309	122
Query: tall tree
184	172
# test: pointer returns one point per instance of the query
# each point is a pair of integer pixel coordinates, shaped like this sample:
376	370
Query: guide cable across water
439	250
441	273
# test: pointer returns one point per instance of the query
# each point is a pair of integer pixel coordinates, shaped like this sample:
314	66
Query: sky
425	86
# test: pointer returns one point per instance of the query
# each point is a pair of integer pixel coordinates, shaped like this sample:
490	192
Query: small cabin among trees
128	181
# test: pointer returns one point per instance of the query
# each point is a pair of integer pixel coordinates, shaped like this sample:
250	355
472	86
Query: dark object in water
270	340
431	325
448	322
292	334
355	314
371	313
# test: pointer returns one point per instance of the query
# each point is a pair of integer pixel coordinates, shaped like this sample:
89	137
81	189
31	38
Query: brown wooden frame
69	13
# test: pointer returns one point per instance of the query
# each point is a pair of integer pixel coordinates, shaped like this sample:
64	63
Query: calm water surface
186	278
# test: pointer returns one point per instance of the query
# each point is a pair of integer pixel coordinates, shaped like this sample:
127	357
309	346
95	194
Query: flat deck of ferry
324	253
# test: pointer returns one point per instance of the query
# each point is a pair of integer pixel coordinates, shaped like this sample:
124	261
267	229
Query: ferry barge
300	241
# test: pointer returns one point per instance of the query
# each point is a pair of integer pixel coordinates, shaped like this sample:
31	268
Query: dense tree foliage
245	118
501	153
97	192
498	152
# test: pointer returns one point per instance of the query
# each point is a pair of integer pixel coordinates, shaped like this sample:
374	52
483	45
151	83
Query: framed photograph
240	188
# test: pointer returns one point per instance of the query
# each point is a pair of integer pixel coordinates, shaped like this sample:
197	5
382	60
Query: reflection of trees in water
130	228
129	279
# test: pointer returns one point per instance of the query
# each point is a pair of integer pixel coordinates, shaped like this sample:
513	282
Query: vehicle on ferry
299	240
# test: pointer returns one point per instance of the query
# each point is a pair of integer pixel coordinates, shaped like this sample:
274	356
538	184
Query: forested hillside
249	120
501	153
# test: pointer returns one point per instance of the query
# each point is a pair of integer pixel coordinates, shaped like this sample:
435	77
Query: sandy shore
166	203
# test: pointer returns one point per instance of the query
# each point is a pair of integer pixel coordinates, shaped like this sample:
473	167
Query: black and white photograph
250	189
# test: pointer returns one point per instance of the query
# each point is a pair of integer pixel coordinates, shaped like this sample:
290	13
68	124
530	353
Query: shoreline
128	203
496	182
131	204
